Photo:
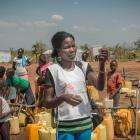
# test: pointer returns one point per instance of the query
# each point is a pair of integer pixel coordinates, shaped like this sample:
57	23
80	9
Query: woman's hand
72	99
103	55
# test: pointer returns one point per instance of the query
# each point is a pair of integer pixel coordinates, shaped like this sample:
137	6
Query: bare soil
131	67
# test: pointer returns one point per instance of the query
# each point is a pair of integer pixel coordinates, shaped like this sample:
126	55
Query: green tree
38	48
137	44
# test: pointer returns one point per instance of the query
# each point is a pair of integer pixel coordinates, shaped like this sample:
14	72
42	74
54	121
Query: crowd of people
62	85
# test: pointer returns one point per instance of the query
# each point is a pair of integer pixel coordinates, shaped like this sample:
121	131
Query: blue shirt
21	62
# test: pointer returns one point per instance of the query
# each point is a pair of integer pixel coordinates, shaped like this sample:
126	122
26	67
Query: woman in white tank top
66	88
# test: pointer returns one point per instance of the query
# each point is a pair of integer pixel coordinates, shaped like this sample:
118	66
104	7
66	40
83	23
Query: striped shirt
5	109
75	125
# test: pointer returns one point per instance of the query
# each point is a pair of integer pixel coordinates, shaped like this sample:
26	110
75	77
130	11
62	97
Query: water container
22	119
101	132
14	125
128	84
138	122
108	122
43	134
94	135
47	134
45	116
122	122
32	131
108	103
93	93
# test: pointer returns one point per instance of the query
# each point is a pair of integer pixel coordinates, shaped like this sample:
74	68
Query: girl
41	71
43	65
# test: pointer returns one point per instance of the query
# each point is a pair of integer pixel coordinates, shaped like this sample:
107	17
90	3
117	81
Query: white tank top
5	109
74	83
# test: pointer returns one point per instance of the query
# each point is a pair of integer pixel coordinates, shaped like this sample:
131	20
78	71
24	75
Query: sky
94	22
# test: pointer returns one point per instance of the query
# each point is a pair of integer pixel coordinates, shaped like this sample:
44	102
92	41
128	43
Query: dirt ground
131	67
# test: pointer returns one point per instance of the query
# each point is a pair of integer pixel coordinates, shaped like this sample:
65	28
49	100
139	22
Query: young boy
22	86
114	83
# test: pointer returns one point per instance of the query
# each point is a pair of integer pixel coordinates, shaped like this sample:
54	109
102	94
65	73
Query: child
22	86
43	65
114	83
41	71
5	113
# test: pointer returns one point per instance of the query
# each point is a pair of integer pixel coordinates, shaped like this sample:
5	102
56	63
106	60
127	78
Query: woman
66	88
19	64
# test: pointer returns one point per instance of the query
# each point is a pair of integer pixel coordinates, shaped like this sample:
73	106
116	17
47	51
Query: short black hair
57	40
114	60
21	50
2	70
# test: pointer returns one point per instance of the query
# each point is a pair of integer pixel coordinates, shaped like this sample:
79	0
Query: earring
59	58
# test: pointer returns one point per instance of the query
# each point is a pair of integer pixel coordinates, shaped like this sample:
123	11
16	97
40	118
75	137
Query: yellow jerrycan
93	93
44	116
47	134
94	135
108	122
22	119
32	131
101	132
14	125
138	122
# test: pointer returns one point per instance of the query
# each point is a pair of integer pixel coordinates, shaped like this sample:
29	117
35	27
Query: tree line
119	51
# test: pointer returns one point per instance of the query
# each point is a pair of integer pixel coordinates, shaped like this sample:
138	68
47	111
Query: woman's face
20	53
68	49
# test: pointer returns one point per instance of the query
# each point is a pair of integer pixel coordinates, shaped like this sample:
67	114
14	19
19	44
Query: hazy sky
23	22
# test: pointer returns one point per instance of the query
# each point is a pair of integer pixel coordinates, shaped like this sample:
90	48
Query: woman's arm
53	101
14	65
99	81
